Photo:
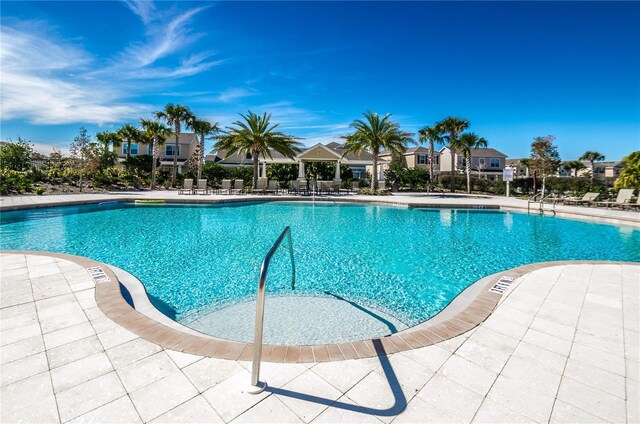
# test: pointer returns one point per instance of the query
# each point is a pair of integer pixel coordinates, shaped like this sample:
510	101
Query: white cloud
146	10
233	94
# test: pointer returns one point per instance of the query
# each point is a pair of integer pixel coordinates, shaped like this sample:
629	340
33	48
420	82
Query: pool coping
470	308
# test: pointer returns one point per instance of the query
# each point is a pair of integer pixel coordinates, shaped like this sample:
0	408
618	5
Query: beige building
187	144
485	163
416	157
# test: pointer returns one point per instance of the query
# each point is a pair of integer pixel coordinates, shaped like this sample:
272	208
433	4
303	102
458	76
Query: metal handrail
256	385
532	199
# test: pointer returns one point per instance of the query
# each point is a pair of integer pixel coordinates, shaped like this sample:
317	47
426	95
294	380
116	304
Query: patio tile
89	395
18	334
419	411
633	406
146	371
493	412
120	410
131	351
271	407
452	398
345	411
530	374
162	395
430	357
598	358
547	341
522	399
569	414
344	375
208	372
598	378
277	375
482	355
21	349
77	372
73	351
495	340
228	399
18	401
195	410
307	395
411	375
470	375
18	320
115	337
68	335
593	401
23	368
182	359
605	344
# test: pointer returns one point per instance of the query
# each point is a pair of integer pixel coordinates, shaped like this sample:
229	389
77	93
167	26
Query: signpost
507	175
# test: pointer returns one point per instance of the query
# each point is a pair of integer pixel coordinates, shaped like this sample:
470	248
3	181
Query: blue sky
516	70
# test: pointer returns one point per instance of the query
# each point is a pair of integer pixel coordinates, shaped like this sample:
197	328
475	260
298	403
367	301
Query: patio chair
324	186
187	187
272	187
588	199
238	187
632	205
225	187
624	198
296	188
261	186
201	187
346	189
382	186
355	186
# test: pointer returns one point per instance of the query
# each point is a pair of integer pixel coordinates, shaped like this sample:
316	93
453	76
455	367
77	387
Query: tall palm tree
592	157
176	115
451	128
464	144
131	134
203	129
433	136
374	134
257	136
156	133
108	141
575	166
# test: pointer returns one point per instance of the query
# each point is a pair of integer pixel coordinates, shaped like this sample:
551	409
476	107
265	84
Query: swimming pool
402	265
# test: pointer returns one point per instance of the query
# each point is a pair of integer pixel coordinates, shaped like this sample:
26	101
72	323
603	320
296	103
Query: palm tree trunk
431	160
535	180
452	184
128	149
593	172
153	165
544	182
468	164
256	169
175	157
374	174
201	158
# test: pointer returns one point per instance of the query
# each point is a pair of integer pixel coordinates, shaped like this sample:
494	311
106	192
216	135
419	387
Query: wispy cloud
233	94
146	10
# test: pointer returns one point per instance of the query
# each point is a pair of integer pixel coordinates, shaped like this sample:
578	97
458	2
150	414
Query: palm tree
203	129
257	136
156	133
451	128
464	144
108	140
575	166
433	136
131	134
592	157
375	134
176	115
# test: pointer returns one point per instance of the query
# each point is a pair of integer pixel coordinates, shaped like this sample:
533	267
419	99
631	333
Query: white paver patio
562	346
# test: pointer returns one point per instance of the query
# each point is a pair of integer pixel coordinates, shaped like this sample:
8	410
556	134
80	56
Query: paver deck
561	346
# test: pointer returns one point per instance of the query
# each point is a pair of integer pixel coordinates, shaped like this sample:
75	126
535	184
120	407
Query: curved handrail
262	284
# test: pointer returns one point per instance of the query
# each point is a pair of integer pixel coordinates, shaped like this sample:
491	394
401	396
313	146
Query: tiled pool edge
466	311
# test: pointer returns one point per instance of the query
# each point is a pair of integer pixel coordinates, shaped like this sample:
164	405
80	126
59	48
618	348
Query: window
482	162
495	163
436	159
168	149
248	155
149	149
134	148
422	159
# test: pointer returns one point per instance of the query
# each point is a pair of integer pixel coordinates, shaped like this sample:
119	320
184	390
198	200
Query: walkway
562	346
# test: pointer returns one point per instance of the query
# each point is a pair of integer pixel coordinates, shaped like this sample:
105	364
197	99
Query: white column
337	176
264	169
301	170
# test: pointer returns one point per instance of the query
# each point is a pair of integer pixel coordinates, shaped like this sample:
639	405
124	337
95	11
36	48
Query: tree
156	133
130	134
176	115
257	136
107	141
630	175
575	166
16	155
451	128
203	129
433	136
374	134
81	151
545	159
464	144
592	157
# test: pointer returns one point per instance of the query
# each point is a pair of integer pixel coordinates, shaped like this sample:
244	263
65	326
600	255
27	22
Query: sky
515	70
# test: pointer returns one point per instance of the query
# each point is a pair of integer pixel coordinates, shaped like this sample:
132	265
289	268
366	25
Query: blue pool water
407	263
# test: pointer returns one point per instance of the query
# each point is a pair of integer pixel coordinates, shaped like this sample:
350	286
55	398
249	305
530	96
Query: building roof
241	159
486	152
412	151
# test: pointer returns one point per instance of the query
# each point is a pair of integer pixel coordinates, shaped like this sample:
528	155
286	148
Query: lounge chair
238	187
187	187
382	186
201	188
355	186
272	187
294	187
624	198
225	187
632	205
325	186
261	186
588	199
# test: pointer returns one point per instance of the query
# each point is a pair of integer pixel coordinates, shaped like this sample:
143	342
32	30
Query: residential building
603	170
485	163
187	144
417	157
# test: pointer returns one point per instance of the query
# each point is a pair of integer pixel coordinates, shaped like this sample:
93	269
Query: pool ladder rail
256	385
541	209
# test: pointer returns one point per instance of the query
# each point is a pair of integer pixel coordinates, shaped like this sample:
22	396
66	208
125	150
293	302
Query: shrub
282	172
40	191
213	172
14	181
106	177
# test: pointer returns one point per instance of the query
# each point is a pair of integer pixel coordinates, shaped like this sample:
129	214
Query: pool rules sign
507	175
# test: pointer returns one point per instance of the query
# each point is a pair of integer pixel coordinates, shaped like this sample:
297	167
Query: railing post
256	385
